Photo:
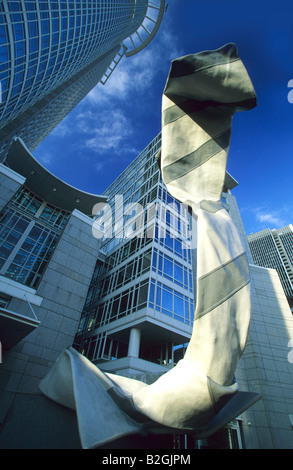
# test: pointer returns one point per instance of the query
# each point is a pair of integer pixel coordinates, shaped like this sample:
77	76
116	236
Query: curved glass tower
52	53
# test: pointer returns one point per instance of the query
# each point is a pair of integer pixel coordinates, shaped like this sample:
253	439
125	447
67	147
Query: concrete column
134	342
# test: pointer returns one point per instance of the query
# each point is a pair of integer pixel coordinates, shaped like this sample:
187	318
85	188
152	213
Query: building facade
47	256
266	366
120	289
139	308
137	317
274	249
53	53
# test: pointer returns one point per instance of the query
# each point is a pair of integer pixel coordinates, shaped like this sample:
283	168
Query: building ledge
20	291
14	327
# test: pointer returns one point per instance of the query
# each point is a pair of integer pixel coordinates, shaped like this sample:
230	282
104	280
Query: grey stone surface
63	289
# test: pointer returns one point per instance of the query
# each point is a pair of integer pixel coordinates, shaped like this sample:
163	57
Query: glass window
178	307
5	250
178	274
143	293
4	300
4	53
168	268
123	304
152	294
167	306
154	261
18	30
28	250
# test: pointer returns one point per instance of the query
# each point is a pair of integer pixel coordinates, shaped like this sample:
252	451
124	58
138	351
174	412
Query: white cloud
138	72
45	158
63	129
104	131
106	119
270	218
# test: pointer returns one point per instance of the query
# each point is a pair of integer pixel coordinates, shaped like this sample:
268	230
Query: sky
115	122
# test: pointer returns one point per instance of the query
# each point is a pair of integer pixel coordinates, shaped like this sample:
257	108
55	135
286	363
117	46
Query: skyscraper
52	53
274	249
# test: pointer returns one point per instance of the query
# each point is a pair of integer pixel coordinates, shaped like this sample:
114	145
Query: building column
134	342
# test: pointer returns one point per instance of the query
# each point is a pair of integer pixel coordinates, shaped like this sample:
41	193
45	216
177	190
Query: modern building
140	305
274	249
137	318
48	255
52	53
266	366
139	308
120	289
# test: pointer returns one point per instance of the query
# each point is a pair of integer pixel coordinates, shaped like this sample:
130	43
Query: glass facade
52	53
274	249
44	43
147	265
29	231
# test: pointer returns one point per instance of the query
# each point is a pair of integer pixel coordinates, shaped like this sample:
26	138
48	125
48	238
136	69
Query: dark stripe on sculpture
192	107
195	159
236	271
190	64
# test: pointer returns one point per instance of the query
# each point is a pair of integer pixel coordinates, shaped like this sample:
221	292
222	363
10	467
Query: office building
266	365
139	308
125	300
120	290
137	317
274	249
52	53
47	256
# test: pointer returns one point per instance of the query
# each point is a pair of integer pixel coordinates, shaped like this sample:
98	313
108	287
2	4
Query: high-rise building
139	307
274	249
52	53
119	288
140	304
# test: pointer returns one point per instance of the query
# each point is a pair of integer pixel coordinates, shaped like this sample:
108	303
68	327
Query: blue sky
114	123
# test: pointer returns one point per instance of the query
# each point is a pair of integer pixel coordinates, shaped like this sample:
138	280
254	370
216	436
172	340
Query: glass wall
150	270
29	231
44	43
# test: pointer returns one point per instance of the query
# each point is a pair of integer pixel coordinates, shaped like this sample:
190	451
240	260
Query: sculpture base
36	422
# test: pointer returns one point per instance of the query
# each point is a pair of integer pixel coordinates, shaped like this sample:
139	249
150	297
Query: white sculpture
202	93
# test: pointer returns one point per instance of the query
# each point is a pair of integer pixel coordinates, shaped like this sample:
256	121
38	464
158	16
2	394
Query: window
26	244
4	300
166	300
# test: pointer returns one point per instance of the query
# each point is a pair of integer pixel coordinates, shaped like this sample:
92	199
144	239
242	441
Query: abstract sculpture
202	93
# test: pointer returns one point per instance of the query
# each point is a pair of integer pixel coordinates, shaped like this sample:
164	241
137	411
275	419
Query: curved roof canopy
47	186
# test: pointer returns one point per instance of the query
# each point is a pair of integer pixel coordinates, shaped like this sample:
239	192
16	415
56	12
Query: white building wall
265	366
